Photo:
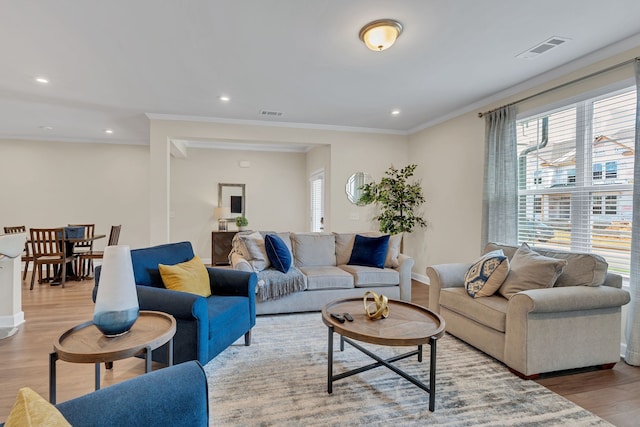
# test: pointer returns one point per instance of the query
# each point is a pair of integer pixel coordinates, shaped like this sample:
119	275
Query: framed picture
232	196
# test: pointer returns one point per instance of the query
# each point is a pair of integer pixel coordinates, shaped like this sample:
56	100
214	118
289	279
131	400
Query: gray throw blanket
273	284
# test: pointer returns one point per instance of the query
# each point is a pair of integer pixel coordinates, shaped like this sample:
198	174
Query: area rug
281	380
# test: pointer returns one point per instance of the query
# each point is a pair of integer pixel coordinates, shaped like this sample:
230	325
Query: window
317	201
575	177
597	171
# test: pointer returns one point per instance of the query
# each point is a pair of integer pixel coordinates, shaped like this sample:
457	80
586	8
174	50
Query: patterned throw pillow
486	275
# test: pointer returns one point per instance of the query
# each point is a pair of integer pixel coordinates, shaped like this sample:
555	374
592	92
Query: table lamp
221	214
116	307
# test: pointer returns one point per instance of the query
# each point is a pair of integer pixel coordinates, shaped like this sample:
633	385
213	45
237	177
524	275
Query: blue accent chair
176	396
204	326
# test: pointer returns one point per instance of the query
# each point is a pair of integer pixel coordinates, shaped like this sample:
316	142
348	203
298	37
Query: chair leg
64	274
247	338
33	274
26	267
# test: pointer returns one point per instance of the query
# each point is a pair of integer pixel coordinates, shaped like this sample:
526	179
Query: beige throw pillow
530	270
255	252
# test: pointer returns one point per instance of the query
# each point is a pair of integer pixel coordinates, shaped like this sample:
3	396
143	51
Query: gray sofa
320	272
575	323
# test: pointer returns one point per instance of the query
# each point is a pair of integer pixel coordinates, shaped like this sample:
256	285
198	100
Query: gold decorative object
378	309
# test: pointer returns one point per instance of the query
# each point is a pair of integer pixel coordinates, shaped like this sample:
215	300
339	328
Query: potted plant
241	223
398	200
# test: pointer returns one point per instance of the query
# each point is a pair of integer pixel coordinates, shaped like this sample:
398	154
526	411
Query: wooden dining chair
80	248
26	256
48	248
88	257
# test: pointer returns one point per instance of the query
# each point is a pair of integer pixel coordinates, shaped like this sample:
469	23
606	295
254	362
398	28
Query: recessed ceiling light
225	98
109	131
42	80
395	112
46	127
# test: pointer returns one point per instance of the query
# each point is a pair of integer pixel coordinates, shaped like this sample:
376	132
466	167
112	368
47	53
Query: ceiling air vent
269	113
543	47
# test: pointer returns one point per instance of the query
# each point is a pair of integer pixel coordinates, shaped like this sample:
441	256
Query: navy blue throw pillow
278	252
369	251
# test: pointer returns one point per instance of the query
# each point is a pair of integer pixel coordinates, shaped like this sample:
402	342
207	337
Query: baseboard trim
12	321
420	278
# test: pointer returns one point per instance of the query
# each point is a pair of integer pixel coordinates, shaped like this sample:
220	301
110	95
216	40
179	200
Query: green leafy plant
242	221
398	200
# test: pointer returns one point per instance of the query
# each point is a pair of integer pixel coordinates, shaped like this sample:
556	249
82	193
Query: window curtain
632	330
499	204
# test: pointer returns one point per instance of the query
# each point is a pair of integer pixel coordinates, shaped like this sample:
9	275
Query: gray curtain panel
499	204
632	330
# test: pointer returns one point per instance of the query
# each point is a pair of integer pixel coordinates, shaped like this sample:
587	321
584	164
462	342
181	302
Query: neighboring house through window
575	173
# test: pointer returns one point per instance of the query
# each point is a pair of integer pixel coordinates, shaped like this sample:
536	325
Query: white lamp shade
380	35
222	212
116	307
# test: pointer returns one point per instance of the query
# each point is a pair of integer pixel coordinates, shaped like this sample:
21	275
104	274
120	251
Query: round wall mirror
354	183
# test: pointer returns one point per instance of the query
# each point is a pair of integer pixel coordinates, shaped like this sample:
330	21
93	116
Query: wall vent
270	113
543	47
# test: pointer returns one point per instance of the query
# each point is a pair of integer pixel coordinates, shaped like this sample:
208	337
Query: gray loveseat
575	323
320	272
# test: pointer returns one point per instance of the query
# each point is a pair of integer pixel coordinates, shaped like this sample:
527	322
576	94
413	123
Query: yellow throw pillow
31	410
190	276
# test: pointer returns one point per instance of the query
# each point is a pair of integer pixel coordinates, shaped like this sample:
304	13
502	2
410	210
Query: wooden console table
221	246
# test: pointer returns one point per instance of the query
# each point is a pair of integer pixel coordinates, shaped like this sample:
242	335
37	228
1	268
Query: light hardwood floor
612	394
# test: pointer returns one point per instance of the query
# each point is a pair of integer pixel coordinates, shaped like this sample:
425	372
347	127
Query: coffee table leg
420	353
97	376
53	357
170	352
330	361
432	375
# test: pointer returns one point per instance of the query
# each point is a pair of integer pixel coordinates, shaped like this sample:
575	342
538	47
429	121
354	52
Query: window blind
575	177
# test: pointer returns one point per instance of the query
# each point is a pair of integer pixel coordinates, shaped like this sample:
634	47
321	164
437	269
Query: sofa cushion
344	246
254	251
372	276
278	253
582	269
32	410
486	275
190	276
314	249
327	277
369	251
490	311
530	270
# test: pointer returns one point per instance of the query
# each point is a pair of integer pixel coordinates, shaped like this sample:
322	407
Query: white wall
275	186
52	184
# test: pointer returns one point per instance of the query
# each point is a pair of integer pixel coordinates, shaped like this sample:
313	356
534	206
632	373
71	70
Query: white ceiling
110	63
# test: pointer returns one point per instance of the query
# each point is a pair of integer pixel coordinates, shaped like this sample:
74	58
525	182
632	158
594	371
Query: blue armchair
176	396
204	326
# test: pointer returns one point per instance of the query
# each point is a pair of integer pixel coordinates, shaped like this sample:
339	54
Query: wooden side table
221	246
86	344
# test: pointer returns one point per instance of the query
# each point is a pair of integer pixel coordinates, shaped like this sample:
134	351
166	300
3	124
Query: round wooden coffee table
407	325
86	344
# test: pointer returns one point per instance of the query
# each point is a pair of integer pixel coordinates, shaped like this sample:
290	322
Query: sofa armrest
568	298
232	282
444	276
181	305
404	269
176	395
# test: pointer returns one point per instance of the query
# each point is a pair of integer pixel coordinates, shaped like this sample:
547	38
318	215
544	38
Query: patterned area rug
281	380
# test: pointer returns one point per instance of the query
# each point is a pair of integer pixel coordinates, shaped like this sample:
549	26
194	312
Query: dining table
69	245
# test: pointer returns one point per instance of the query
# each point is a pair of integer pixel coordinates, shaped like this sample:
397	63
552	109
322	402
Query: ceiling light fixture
42	80
224	98
395	112
108	131
381	34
